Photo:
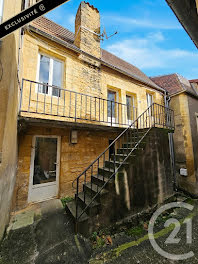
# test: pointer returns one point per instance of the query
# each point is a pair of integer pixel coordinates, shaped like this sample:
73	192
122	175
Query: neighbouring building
75	102
184	102
187	13
9	88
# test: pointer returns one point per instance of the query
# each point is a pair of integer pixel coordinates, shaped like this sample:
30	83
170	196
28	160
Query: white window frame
44	188
149	95
1	10
50	73
116	100
115	118
133	106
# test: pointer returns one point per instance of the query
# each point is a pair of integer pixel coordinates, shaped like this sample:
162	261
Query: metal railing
124	145
49	101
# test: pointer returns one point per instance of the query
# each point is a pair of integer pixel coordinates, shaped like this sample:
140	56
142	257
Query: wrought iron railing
44	100
126	143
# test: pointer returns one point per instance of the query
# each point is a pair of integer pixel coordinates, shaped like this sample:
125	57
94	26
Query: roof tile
173	83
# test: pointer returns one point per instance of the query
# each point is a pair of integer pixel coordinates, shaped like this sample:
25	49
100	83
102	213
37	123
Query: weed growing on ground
66	200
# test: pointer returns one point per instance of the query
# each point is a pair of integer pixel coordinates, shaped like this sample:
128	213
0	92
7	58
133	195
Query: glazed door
111	107
44	173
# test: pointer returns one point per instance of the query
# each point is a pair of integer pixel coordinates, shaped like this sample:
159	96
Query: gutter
77	50
185	91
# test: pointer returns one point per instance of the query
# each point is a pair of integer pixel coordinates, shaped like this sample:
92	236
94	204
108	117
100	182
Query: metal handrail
71	104
158	115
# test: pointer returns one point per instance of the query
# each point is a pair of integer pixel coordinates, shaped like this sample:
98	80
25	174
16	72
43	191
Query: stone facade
144	184
82	73
9	48
74	158
185	143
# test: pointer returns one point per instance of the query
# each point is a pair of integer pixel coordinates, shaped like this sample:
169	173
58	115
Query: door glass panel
129	107
57	77
44	74
111	105
149	102
45	160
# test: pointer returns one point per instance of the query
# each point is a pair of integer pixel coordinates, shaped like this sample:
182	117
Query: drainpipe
167	99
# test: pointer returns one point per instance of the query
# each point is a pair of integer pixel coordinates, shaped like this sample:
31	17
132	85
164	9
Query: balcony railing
40	100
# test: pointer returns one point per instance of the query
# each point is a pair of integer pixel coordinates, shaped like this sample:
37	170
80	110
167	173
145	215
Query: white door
150	119
112	107
44	171
130	109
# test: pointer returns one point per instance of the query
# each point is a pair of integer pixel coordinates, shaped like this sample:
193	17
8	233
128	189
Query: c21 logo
172	237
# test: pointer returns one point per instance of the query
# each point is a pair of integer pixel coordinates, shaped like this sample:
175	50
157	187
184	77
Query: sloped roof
54	30
174	83
193	81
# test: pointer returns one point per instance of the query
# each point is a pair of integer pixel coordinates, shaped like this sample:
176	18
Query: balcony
43	101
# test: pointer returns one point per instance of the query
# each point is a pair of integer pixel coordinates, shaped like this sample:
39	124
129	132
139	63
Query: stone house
184	102
89	124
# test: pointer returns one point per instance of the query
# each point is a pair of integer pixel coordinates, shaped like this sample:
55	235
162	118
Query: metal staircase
96	180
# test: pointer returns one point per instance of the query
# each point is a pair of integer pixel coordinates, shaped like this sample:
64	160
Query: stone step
127	150
132	144
71	208
101	180
107	172
121	157
93	189
85	199
111	164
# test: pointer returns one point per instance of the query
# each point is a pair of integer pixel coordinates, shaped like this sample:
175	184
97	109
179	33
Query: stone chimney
87	29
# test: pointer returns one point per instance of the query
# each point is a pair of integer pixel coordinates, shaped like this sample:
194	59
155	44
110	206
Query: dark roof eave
186	25
76	49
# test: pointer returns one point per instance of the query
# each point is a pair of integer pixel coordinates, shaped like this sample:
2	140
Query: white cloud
162	24
148	54
63	18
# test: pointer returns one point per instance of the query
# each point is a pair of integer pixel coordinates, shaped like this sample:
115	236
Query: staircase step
71	207
106	171
132	144
127	150
111	163
93	189
121	157
86	199
100	180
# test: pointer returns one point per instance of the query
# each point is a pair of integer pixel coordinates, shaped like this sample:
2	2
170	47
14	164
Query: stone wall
185	141
78	76
8	114
148	181
86	24
193	110
74	158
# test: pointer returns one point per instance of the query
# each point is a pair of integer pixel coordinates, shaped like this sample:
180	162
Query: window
149	102
149	99
111	103
50	74
130	107
1	10
27	3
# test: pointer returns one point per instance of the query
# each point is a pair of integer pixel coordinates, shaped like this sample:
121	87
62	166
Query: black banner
28	15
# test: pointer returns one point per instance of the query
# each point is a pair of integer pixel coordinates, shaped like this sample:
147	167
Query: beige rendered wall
8	114
74	158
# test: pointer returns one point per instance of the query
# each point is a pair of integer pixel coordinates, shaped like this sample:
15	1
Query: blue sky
149	35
